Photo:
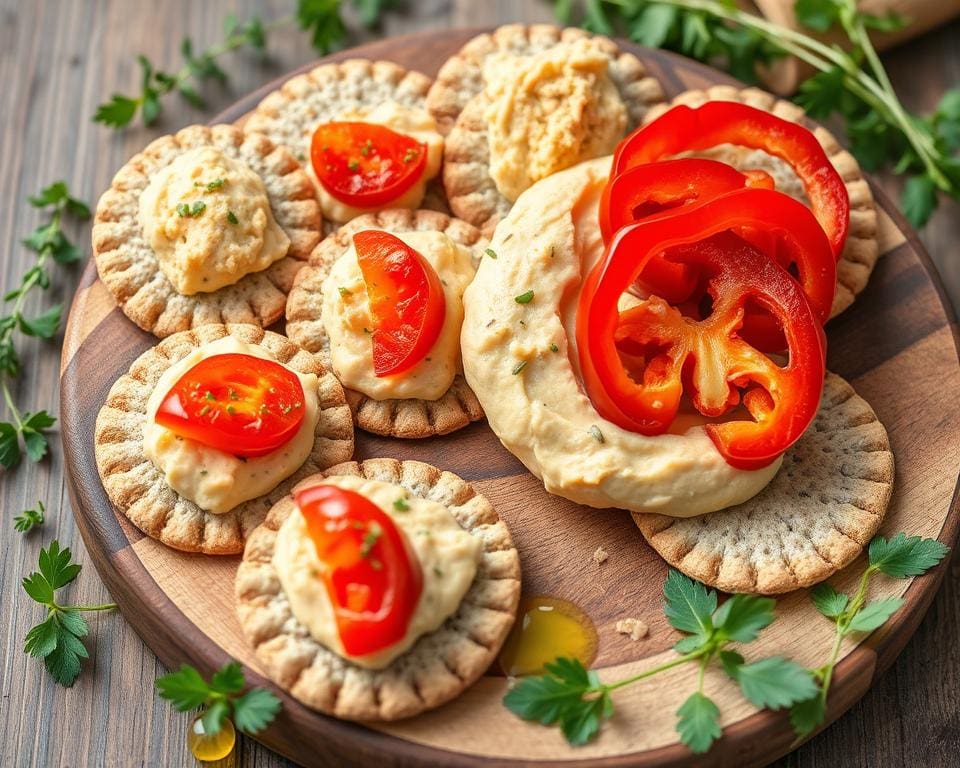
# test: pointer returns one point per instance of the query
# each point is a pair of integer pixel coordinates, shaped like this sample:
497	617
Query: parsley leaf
698	722
818	15
44	325
919	199
828	601
689	606
901	556
805	716
775	682
57	639
29	519
321	18
875	614
524	298
255	709
117	112
743	616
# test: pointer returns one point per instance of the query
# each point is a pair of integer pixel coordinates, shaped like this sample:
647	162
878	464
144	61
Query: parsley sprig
221	698
58	639
49	243
575	699
29	519
320	18
900	557
850	82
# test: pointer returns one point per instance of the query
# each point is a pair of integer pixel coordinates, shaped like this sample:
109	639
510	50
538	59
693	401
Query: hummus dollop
213	480
548	112
208	219
547	243
346	318
448	555
418	124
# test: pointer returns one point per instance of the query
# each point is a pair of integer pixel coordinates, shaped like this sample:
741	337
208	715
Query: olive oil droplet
547	628
210	748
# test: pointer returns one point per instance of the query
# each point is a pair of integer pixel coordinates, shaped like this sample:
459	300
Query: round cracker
409	418
439	666
814	518
129	268
457	102
138	489
862	248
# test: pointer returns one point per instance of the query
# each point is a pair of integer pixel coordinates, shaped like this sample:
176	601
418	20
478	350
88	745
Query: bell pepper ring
406	298
781	400
685	129
371	574
366	165
239	404
646	190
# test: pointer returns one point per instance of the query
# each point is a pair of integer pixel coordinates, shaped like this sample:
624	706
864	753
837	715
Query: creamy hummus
213	480
416	123
546	244
548	112
208	220
448	557
346	317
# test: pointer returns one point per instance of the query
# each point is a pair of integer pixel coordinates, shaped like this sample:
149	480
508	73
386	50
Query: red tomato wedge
371	574
366	165
235	403
407	303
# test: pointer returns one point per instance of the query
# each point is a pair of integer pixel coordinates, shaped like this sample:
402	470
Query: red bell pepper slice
684	129
710	353
407	302
646	190
371	574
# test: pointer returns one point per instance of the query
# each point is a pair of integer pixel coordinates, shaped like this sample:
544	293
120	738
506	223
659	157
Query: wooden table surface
58	60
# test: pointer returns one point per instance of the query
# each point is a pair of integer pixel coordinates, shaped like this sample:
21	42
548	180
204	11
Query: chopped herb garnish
519	367
210	396
203	411
491	253
183	210
197	208
370	539
233	394
232	217
367	148
353	165
263	408
343	291
554	348
507	238
215	184
401	505
524	298
231	409
595	433
410	156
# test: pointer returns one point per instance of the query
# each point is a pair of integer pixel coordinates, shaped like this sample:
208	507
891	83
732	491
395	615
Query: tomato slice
366	165
372	576
407	303
239	404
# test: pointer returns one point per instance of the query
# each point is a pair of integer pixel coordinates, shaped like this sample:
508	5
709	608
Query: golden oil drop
547	628
210	748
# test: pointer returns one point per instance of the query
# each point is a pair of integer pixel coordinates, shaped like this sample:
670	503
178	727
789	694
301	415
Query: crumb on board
635	628
600	556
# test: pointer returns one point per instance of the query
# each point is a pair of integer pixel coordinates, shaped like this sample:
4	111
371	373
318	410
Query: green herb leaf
9	445
117	112
51	195
806	716
731	661
891	21
919	199
654	25
321	18
401	505
874	614
491	253
689	606
901	556
818	15
44	325
524	298
518	368
775	682
29	519
698	723
595	433
742	617
370	11
228	679
256	709
828	601
214	715
595	18
185	689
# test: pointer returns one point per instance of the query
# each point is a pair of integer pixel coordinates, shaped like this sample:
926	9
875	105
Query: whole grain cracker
862	249
439	666
409	418
814	518
129	268
138	489
457	102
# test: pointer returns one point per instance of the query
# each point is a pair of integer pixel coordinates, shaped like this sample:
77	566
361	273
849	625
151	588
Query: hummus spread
208	220
546	244
448	557
346	317
548	112
213	480
415	123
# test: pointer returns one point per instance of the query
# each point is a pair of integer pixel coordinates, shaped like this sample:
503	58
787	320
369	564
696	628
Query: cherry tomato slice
372	576
366	165
407	303
239	404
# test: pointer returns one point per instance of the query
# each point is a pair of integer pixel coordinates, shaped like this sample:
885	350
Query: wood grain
58	60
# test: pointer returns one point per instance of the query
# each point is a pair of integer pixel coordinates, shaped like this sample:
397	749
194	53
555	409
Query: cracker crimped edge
129	268
138	489
813	519
406	418
862	249
439	666
457	103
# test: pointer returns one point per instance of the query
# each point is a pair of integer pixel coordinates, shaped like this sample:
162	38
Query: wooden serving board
897	345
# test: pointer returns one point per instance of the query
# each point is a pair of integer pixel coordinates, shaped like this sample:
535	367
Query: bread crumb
633	627
600	556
